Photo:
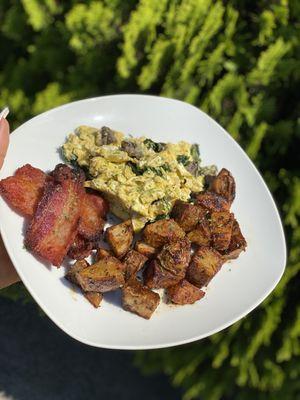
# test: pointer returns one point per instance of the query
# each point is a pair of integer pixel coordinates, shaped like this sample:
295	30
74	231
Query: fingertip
4	139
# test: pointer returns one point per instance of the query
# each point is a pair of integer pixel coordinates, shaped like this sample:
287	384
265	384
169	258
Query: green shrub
237	60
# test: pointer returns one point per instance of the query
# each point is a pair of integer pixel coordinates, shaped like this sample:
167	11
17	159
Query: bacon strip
55	223
24	190
93	209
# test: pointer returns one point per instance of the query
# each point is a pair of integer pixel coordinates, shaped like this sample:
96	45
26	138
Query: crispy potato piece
93	212
221	229
138	299
72	275
206	262
156	277
170	266
163	231
175	256
237	244
133	262
23	191
81	248
224	185
103	276
212	201
72	272
184	293
145	249
187	215
54	225
120	237
102	253
201	235
94	298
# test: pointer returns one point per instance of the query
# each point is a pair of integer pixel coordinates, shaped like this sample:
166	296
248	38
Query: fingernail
4	113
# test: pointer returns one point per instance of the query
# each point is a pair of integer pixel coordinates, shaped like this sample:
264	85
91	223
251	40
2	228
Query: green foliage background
236	59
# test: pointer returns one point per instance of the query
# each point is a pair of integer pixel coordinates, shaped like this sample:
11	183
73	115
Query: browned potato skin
237	244
184	293
156	277
72	275
170	265
187	215
103	276
224	185
139	299
145	249
174	257
221	228
212	201
73	271
102	253
120	237
201	235
206	262
133	261
94	298
163	231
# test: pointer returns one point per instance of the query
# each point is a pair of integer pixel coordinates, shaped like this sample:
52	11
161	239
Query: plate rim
174	343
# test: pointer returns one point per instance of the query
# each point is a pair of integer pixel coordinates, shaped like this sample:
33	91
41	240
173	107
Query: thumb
4	139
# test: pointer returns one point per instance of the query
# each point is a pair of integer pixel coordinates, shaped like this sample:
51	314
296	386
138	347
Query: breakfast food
176	229
134	262
54	225
120	237
205	263
105	275
184	293
24	190
139	299
140	178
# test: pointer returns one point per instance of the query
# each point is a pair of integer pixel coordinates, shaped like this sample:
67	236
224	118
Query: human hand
8	274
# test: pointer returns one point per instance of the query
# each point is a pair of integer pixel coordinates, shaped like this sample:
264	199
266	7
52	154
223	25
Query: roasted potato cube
184	293
175	257
73	271
212	201
156	277
237	243
139	299
145	249
163	231
221	229
224	185
201	234
102	253
120	237
133	262
206	262
170	266
94	298
103	276
72	275
187	215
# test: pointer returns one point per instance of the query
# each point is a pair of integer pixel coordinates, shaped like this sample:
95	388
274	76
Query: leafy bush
237	60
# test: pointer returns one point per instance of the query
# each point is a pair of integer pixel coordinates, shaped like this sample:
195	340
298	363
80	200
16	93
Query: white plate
236	290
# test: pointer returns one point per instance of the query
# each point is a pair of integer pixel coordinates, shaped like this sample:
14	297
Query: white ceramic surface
236	290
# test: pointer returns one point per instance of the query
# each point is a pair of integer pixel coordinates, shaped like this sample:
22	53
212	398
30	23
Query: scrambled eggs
140	178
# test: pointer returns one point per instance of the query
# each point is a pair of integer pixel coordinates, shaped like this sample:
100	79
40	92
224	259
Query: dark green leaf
183	159
157	147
